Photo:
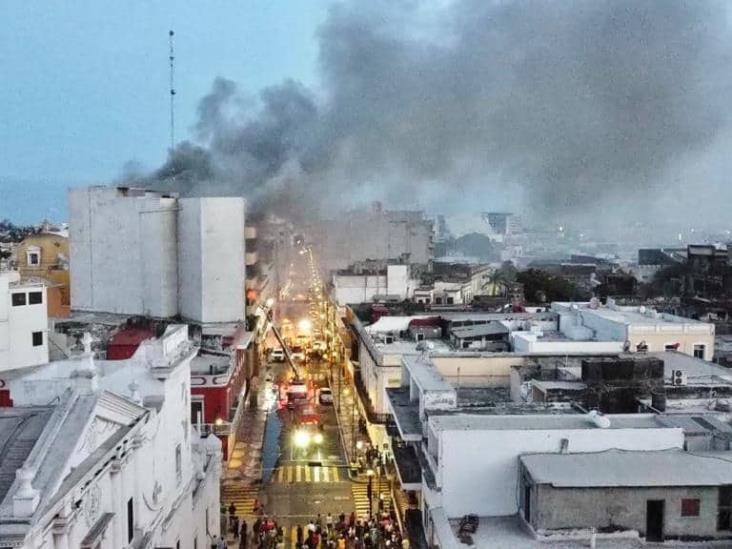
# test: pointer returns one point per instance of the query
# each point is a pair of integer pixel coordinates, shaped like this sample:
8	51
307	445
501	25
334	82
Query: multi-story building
211	259
360	235
23	322
639	328
138	252
519	457
114	460
45	256
369	281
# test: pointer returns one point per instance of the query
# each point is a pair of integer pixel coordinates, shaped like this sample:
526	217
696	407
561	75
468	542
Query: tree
541	286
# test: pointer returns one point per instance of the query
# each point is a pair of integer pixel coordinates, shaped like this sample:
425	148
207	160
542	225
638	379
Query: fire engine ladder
286	350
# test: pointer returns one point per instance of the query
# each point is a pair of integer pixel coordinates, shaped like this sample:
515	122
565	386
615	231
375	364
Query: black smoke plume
564	105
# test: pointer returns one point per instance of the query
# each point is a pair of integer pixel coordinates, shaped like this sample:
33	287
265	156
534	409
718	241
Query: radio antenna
171	58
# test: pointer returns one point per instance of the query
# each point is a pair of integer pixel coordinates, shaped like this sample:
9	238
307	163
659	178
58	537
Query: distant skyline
86	83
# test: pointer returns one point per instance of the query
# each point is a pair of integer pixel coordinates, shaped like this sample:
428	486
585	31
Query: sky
85	83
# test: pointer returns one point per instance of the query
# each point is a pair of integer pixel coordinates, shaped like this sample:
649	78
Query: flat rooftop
210	364
620	468
530	422
632	315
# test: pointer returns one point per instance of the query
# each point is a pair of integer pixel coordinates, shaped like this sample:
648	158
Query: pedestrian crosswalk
242	496
288	474
360	493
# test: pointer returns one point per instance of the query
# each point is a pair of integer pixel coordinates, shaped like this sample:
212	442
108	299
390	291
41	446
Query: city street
301	466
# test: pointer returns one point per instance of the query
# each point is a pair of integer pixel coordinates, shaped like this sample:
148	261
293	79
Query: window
18	300
699	351
37	339
450	300
690	507
34	258
130	520
178	464
34	298
724	508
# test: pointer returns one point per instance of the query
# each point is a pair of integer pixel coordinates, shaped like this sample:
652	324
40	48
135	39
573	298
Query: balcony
251	258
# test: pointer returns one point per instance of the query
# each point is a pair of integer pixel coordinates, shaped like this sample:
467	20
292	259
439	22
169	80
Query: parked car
325	396
277	355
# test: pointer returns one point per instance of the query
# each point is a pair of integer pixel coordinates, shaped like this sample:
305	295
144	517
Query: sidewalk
241	476
346	410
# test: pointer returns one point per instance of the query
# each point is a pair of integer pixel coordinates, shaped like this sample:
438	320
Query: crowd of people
329	532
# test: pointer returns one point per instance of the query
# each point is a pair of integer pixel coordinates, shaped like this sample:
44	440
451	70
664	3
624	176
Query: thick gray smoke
563	104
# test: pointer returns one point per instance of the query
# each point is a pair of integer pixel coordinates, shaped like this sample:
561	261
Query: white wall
524	342
397	280
358	288
211	259
478	470
167	398
121	253
17	325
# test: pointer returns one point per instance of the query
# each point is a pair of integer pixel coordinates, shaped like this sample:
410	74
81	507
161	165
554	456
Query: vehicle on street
277	355
297	394
297	353
325	396
308	415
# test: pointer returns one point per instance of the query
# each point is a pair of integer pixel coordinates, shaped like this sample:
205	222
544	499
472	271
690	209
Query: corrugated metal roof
616	468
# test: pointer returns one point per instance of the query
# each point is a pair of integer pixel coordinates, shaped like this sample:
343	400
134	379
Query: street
297	471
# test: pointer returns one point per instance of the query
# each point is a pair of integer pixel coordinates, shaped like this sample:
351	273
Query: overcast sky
84	83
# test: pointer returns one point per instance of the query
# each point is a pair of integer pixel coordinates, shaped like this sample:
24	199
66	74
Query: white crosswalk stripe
288	474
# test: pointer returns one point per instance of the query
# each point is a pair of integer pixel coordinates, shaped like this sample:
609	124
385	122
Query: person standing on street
243	535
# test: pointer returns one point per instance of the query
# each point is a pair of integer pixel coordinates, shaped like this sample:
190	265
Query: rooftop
545	422
615	468
631	315
20	428
493	327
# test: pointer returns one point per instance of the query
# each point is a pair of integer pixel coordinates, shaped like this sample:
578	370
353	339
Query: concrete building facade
640	328
138	252
211	259
117	463
23	322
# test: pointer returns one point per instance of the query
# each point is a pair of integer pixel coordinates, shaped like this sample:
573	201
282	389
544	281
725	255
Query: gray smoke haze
560	105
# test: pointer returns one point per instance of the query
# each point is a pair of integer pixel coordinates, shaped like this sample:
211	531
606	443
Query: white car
277	355
325	396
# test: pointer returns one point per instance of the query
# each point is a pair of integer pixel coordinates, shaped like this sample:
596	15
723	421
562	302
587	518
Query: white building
471	441
362	285
123	251
211	264
641	327
23	322
114	462
137	252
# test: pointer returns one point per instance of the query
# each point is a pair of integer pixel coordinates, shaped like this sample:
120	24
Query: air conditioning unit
678	377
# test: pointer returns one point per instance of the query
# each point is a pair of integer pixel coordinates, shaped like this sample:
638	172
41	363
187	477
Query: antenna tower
171	58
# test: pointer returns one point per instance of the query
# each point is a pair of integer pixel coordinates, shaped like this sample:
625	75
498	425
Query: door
527	504
654	519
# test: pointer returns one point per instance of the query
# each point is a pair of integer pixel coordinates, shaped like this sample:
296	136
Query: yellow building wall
53	267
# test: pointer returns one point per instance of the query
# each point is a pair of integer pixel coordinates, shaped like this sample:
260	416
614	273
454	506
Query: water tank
603	422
